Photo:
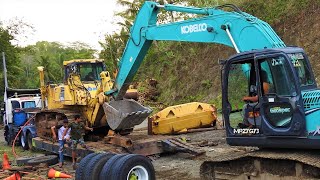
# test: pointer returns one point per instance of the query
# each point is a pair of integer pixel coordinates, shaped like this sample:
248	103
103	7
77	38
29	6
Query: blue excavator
285	105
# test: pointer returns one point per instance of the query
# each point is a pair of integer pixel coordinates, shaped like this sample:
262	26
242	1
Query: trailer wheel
106	170
24	142
7	136
88	172
29	141
133	166
82	165
50	160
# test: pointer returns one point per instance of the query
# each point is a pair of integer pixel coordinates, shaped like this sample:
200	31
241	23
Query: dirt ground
185	166
168	166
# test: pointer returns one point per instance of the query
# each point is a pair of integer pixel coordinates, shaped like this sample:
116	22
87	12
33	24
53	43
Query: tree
12	61
51	55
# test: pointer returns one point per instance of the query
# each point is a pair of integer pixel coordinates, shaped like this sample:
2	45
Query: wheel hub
138	173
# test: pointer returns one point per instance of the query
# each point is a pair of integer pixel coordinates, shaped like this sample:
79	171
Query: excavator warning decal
276	62
296	63
295	59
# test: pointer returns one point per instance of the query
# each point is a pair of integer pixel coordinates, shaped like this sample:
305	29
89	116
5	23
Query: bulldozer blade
125	114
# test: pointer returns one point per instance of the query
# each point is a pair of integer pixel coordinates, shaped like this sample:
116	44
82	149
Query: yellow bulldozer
82	92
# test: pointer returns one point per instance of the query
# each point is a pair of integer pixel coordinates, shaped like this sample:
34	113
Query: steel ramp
125	114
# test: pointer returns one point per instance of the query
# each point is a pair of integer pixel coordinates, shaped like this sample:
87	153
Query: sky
63	20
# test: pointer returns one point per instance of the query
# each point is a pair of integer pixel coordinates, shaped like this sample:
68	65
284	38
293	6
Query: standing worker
77	131
61	138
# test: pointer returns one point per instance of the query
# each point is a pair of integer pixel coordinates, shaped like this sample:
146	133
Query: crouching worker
76	136
61	138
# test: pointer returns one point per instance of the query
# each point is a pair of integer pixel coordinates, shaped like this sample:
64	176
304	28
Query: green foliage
50	55
206	83
12	61
273	11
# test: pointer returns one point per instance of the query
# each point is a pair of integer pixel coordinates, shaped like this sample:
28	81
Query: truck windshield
28	104
302	69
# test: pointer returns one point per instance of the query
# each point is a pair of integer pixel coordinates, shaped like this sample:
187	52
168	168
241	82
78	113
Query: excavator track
263	164
45	119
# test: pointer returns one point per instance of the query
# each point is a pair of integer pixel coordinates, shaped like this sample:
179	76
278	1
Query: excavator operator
251	114
89	77
265	88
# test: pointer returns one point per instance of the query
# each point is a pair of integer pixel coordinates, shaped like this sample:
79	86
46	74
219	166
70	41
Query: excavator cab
276	78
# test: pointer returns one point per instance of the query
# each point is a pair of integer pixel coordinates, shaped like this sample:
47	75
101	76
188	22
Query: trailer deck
141	144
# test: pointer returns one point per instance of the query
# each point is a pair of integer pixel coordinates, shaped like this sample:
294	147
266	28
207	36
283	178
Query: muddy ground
170	166
186	166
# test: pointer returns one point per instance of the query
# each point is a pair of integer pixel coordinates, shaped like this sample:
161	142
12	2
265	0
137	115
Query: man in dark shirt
77	130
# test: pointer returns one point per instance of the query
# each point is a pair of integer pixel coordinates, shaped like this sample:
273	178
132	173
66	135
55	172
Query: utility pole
4	70
5	98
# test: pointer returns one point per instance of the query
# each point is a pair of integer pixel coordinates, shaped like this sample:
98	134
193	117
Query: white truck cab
19	105
15	103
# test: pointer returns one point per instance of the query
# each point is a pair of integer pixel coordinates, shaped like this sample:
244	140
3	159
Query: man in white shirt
61	140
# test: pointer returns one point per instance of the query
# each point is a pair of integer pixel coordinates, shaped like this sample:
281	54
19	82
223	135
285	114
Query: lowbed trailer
140	144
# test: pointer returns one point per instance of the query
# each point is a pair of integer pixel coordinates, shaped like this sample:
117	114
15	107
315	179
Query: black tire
7	136
99	165
88	172
24	159
23	141
82	165
14	133
29	140
50	160
134	164
106	170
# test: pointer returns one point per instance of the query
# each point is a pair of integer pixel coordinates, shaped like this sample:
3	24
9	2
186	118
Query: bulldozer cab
88	70
275	78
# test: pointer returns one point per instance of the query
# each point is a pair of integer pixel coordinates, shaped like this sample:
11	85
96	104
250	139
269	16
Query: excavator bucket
125	114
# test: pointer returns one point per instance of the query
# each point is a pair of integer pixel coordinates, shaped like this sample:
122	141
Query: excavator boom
236	29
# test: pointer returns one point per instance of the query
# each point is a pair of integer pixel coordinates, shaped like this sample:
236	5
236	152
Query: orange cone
15	176
5	163
56	174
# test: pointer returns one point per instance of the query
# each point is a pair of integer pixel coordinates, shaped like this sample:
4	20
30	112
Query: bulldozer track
45	119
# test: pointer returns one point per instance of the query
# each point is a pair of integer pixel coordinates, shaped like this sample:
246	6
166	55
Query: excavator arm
236	29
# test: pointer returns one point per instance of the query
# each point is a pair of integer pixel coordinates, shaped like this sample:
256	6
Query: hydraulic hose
14	141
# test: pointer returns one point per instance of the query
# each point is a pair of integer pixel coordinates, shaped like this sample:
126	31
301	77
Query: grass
235	119
4	148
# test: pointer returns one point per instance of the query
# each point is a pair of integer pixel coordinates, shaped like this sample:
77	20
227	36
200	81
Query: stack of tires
102	166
